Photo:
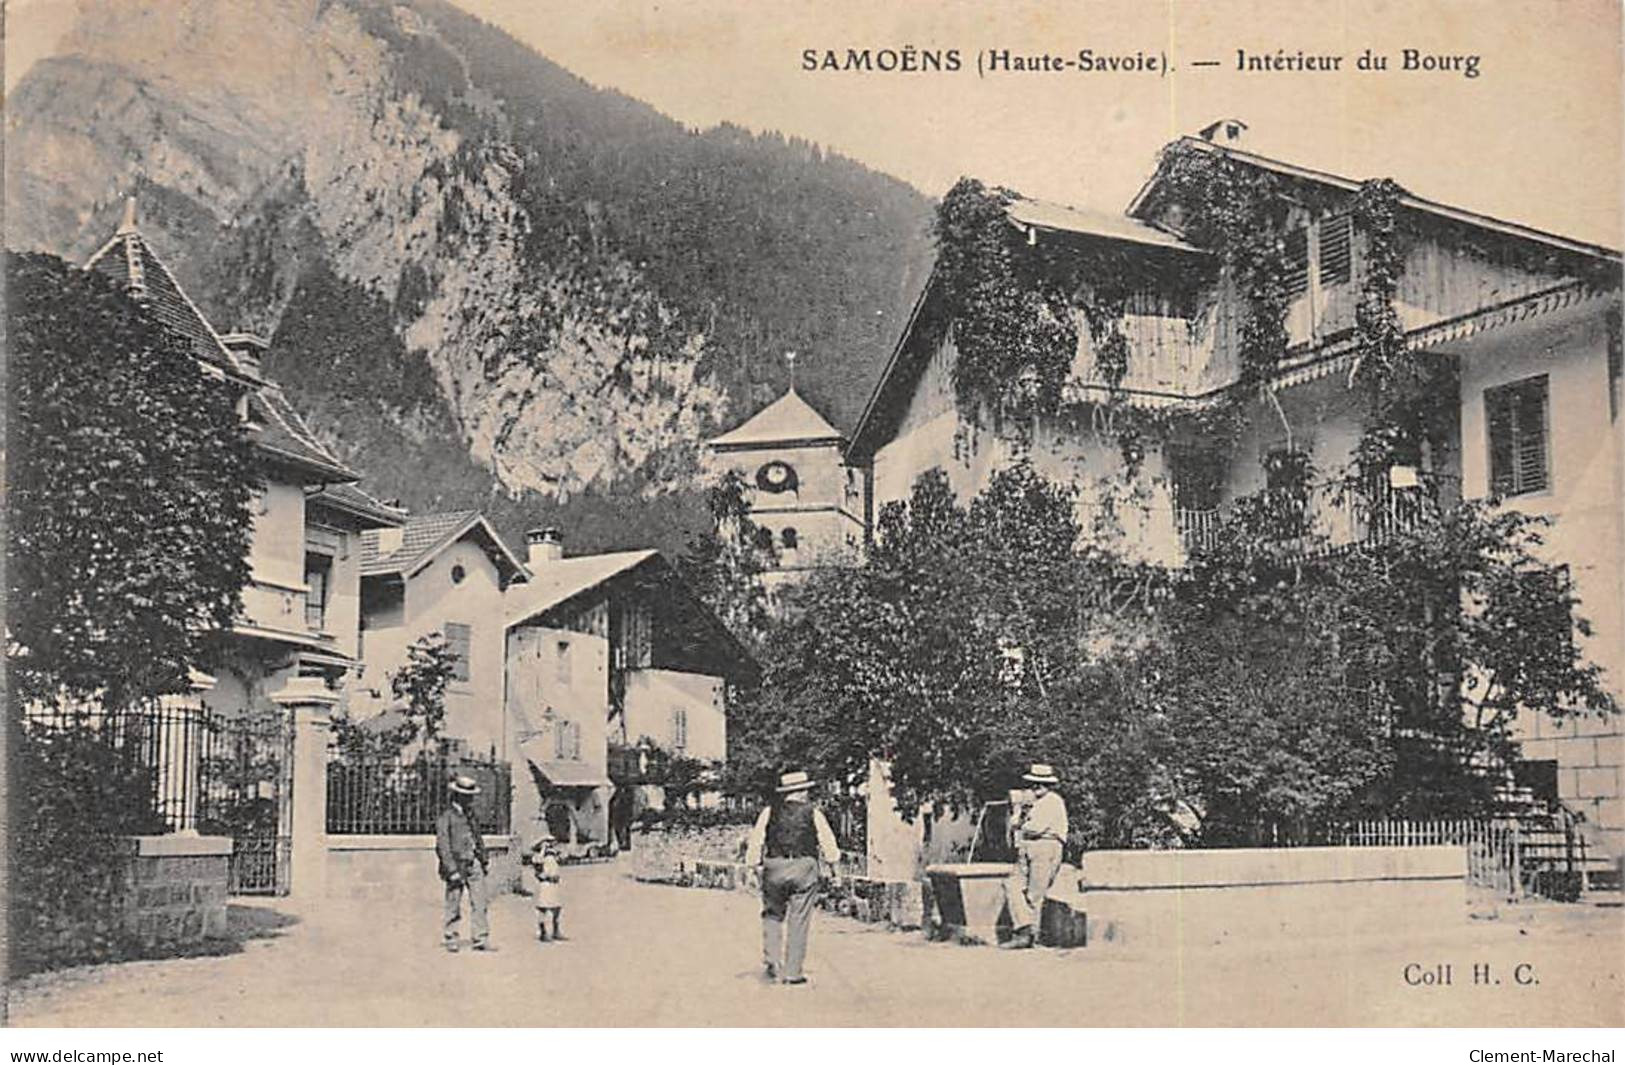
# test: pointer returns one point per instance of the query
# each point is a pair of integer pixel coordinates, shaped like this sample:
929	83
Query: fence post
310	704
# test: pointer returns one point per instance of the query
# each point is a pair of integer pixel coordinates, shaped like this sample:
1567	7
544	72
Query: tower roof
129	260
787	420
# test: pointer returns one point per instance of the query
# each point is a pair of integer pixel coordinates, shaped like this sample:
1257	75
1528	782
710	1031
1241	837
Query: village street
639	954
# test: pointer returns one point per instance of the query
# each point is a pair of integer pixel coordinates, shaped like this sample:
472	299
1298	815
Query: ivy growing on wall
1400	404
1017	307
1240	214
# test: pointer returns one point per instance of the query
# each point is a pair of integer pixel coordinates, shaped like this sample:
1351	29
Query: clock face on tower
776	477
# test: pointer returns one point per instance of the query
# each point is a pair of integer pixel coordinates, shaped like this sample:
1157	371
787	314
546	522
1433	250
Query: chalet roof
425	536
911	352
564	579
788	419
1087	221
1143	200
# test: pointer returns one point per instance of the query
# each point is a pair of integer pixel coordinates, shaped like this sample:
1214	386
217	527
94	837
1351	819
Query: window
458	573
1012	663
1516	418
1295	260
563	663
679	730
764	538
789	538
1196	477
1336	249
458	639
1286	487
567	741
318	579
636	645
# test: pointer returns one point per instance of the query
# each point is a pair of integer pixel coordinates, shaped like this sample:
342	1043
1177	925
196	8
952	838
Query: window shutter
1336	249
1516	416
1296	261
1531	438
1498	409
457	641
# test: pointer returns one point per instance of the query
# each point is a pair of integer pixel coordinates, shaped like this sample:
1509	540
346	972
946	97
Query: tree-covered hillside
487	280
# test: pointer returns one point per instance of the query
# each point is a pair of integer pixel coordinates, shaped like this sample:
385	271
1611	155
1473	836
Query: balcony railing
1331	515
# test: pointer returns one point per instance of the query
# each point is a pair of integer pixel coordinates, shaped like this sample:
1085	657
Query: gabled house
805	502
601	649
296	645
442	574
1525	324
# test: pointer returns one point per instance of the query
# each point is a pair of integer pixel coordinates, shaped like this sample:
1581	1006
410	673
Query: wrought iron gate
248	770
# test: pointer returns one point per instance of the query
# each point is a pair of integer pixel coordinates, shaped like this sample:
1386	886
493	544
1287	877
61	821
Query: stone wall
659	854
404	867
703	859
175	888
1196	898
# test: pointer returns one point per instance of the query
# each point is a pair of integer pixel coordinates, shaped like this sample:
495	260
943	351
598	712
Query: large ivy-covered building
1222	334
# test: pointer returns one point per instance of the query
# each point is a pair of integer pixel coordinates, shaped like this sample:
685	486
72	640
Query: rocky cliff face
575	270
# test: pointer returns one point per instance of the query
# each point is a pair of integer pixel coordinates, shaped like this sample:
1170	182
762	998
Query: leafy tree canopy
130	481
1273	685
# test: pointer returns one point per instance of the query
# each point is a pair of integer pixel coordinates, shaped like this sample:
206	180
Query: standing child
544	862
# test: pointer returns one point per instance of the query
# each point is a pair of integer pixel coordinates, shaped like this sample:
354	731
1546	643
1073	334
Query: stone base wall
895	903
404	867
658	855
1197	898
175	888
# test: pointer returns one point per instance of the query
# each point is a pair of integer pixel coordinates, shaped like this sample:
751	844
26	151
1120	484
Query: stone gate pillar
311	702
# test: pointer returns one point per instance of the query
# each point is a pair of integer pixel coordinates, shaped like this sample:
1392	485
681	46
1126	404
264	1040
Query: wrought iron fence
223	774
1494	846
404	796
175	744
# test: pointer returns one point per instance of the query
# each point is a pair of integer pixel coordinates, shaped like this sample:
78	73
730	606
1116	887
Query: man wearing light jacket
790	839
460	852
1039	838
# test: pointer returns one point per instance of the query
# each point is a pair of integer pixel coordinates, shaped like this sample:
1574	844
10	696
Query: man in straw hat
461	854
1039	836
789	839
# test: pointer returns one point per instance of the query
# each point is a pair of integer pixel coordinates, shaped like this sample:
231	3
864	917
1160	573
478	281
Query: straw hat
797	781
464	785
1041	774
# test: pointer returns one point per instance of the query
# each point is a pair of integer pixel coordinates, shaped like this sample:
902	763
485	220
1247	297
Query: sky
1534	138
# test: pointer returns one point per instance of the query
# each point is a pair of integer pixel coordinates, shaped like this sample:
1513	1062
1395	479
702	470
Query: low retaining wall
395	867
658	855
175	888
1201	897
896	903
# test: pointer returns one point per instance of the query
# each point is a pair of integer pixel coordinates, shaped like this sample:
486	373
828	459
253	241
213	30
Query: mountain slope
540	291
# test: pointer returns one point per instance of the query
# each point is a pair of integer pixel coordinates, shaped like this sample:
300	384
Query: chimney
1228	131
543	546
247	348
391	538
